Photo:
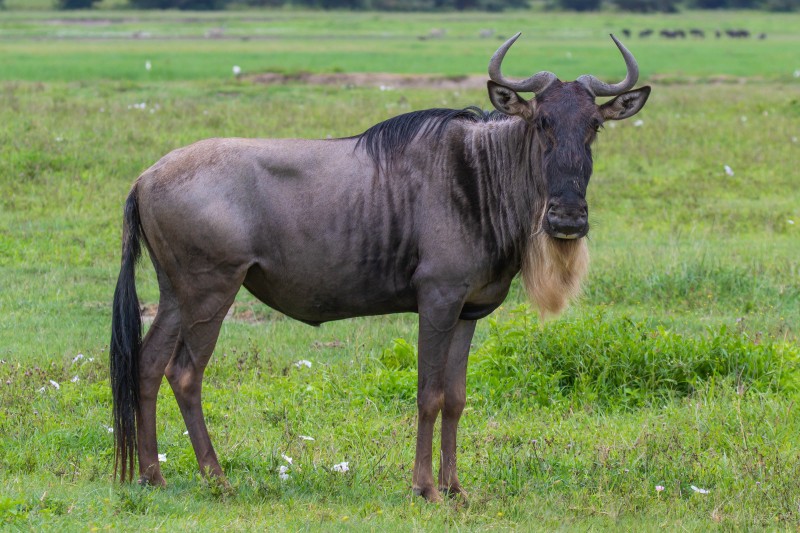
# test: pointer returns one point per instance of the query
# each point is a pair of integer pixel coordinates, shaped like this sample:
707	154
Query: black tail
126	339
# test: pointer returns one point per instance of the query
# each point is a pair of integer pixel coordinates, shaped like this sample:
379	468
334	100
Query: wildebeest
433	212
646	33
673	34
737	34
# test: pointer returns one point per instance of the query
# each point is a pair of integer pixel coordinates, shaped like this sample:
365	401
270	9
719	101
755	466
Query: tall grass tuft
616	362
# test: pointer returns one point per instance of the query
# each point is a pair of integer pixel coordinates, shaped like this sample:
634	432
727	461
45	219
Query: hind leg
201	319
157	349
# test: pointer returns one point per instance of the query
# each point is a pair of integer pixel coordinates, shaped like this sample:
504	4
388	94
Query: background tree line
672	6
637	6
380	5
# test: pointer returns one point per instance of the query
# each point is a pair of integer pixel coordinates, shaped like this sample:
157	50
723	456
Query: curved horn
601	88
536	83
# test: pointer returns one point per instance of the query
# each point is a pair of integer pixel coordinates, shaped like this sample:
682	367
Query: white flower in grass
283	472
304	437
77	358
237	70
699	490
341	467
286	458
639	123
43	389
303	363
108	428
147	65
797	73
186	432
162	458
728	170
790	222
75	379
55	384
659	488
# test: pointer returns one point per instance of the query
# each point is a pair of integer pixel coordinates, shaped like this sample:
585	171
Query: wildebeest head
565	120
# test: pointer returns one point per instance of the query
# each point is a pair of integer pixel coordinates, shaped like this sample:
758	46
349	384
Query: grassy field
678	368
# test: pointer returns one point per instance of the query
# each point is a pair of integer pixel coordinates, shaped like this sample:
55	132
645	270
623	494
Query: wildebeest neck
497	187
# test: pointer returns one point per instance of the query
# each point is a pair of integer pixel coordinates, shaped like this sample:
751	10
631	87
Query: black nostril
568	219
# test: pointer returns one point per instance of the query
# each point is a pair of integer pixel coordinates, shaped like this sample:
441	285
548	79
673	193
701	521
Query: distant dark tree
647	6
578	5
709	4
179	4
781	5
73	4
406	5
260	3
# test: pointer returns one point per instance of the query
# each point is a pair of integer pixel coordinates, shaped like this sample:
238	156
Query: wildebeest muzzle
567	220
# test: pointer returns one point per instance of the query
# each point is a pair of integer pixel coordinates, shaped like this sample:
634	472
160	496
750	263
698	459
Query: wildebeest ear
625	105
507	101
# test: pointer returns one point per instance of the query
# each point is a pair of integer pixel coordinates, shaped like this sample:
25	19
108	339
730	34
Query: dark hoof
454	491
429	493
157	481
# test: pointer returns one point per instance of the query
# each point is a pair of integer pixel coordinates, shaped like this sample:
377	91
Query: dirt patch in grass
237	313
381	80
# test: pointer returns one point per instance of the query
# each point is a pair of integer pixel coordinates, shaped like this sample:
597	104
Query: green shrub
73	4
612	362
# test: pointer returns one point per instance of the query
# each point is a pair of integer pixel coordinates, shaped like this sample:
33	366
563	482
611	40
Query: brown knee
184	380
429	402
455	400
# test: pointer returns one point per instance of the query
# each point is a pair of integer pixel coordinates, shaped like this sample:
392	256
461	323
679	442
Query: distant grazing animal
435	33
694	32
646	33
433	212
672	34
738	34
626	32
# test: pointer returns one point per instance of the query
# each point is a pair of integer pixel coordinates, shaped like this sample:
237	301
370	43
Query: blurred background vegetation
634	6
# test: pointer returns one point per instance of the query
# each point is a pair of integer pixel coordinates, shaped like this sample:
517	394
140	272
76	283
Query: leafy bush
599	361
393	5
73	4
578	5
616	362
179	4
647	6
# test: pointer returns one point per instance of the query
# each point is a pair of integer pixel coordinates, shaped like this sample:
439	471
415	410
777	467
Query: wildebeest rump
433	212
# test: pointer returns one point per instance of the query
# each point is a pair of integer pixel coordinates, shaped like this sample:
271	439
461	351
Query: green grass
678	367
287	41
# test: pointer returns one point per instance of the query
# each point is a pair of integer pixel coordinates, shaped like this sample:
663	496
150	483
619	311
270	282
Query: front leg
438	318
455	397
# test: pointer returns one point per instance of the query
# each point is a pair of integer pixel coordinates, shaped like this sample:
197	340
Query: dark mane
390	137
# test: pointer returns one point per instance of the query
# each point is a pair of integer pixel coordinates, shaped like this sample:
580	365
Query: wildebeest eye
596	125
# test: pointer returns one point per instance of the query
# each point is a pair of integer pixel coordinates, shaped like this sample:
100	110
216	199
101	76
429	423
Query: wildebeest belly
317	297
